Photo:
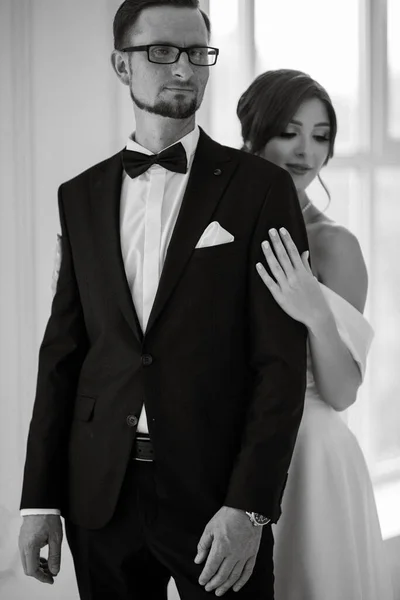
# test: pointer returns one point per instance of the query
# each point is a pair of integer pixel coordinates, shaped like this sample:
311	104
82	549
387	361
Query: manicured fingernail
273	232
258	266
283	231
265	245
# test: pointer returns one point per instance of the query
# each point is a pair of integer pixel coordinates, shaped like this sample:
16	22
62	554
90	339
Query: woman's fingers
305	260
290	247
285	259
273	263
281	252
269	282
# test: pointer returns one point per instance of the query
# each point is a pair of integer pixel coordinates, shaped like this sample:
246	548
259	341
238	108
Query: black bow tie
173	159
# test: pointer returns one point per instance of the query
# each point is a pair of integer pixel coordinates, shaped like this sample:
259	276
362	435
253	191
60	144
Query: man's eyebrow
200	45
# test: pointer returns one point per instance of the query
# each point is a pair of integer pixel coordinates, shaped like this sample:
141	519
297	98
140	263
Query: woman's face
302	148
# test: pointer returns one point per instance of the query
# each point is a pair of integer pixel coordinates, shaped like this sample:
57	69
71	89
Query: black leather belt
143	448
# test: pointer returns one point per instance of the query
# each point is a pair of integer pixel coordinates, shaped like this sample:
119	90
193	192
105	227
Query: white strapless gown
328	542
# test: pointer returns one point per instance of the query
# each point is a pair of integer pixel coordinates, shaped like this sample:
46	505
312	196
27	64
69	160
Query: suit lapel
212	168
105	199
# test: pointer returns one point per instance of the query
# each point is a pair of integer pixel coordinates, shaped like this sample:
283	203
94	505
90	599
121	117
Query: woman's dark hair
130	10
269	103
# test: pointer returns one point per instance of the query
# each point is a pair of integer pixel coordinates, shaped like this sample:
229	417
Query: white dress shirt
149	209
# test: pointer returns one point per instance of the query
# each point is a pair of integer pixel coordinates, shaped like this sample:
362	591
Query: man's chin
180	108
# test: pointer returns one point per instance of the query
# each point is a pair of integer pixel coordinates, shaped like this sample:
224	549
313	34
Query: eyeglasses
201	56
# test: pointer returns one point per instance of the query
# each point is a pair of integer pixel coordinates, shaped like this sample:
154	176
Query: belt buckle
145	441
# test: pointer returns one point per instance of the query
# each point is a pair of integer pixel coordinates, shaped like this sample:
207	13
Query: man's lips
179	89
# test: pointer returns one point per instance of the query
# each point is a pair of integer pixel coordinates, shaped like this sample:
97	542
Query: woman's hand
295	288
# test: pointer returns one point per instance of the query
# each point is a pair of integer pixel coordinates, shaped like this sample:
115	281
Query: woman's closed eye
289	135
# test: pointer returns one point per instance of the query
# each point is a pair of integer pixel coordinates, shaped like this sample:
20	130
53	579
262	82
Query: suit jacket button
131	420
147	359
217	172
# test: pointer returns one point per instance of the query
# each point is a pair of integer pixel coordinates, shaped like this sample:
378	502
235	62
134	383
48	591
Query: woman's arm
336	374
342	269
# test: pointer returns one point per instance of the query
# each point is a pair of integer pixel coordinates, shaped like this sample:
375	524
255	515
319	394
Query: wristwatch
257	519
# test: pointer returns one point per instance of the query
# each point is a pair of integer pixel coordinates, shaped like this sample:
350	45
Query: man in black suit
170	385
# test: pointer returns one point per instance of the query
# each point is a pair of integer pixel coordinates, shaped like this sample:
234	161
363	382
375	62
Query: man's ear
119	61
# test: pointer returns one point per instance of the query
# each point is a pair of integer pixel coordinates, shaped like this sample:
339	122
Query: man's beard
169	109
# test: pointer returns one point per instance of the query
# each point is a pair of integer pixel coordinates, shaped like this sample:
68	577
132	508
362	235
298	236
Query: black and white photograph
199	292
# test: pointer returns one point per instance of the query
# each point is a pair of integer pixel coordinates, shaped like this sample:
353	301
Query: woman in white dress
328	543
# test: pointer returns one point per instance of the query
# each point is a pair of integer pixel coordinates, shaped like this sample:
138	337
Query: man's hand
231	543
36	532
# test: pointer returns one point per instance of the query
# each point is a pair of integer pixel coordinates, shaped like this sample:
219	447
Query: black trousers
144	544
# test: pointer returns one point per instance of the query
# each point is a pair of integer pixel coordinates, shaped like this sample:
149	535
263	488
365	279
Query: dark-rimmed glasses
164	54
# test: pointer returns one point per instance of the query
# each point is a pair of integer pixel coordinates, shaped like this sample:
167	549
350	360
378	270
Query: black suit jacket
224	392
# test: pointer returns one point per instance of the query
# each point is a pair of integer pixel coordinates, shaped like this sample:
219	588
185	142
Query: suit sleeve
61	356
277	351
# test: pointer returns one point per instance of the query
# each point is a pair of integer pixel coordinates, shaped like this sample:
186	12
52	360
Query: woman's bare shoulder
328	236
338	261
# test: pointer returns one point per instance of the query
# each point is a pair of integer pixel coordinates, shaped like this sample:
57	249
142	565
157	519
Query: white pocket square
214	235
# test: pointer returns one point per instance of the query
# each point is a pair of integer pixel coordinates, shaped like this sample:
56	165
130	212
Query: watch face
260	519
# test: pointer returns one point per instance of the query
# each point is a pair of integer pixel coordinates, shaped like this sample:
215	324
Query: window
296	35
393	48
227	77
385	388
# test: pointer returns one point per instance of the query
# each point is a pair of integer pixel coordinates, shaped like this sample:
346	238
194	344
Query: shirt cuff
25	512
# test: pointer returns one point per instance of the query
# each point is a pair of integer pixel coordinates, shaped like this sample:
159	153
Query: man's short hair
130	10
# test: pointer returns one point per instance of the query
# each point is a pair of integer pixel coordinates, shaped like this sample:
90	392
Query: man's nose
183	68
